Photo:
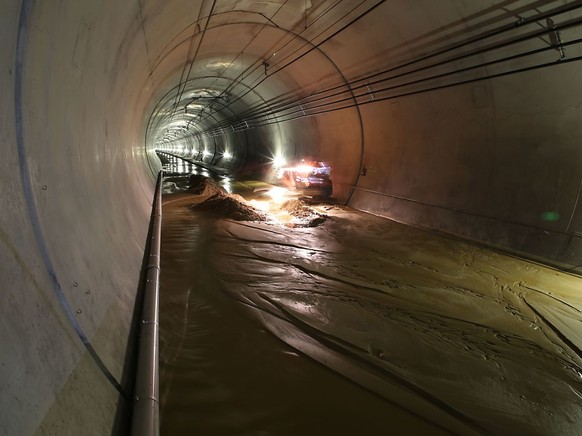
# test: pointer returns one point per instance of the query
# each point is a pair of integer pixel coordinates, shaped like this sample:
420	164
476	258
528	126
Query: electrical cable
310	99
304	105
310	42
314	46
295	36
494	32
258	63
191	62
240	54
405	94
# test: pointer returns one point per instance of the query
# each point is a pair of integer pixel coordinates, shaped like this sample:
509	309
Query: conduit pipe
145	421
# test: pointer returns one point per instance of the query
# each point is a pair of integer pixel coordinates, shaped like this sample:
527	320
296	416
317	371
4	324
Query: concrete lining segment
31	203
69	276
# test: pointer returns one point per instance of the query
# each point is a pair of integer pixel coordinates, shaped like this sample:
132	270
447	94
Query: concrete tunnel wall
497	160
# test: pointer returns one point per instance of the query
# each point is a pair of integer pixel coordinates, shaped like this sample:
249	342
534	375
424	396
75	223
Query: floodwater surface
360	326
224	373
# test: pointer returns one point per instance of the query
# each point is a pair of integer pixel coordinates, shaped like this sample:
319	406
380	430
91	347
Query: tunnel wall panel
496	161
73	242
38	346
340	141
507	174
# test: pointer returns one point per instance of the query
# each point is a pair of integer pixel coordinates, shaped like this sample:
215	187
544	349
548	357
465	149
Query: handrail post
145	421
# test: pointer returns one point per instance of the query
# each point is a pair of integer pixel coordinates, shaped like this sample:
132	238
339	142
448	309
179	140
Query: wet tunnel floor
224	373
360	326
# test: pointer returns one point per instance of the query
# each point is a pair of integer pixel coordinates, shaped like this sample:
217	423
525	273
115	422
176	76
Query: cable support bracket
555	37
370	92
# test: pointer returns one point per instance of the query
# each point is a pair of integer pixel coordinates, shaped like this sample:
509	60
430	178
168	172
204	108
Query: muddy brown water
223	373
360	326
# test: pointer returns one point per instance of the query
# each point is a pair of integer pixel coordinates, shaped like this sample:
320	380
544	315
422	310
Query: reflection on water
223	373
258	320
175	165
177	172
468	338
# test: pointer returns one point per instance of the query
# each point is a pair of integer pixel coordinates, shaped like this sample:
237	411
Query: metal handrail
146	415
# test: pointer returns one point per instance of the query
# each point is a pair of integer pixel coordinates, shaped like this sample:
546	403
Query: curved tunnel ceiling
235	77
461	116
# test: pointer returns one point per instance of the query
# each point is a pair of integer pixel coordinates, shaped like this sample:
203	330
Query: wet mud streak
557	332
347	349
283	244
223	373
427	333
432	315
547	294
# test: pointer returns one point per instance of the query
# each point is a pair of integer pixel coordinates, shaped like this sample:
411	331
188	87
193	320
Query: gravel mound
200	185
306	217
297	208
230	206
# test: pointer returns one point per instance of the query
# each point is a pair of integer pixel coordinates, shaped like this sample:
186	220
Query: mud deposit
222	370
211	198
427	333
229	206
305	215
200	185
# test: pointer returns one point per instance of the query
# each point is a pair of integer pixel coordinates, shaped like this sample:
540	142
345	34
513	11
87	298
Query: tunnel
459	117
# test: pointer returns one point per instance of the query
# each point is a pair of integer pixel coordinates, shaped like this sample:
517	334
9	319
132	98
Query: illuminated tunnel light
227	155
279	161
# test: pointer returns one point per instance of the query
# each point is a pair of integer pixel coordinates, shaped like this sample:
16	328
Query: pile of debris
294	212
200	185
305	216
230	206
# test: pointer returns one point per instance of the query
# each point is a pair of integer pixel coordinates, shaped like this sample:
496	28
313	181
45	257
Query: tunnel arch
255	60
